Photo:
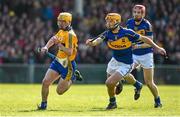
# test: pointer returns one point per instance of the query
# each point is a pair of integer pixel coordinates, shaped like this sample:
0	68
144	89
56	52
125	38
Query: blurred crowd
26	25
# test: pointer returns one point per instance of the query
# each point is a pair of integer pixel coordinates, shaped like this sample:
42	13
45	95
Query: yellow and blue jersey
144	29
121	44
69	39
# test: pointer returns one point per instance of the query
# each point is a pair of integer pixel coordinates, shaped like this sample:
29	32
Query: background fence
92	73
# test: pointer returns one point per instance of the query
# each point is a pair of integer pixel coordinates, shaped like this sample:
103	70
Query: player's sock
112	103
42	106
137	90
138	85
112	100
157	102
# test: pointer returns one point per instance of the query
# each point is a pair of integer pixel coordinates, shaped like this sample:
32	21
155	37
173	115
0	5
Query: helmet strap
68	28
115	26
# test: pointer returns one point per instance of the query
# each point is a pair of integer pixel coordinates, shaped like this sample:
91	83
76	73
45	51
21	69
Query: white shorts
120	67
146	61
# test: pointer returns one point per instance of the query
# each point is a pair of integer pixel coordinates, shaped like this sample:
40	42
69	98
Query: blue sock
112	100
137	84
44	104
157	100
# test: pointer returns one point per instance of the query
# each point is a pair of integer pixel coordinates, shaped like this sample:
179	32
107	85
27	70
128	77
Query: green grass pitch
87	100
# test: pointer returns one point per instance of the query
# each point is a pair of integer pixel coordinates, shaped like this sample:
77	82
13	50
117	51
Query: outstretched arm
144	45
94	42
155	46
53	40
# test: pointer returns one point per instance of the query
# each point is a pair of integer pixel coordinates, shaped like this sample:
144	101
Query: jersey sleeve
57	34
105	36
133	36
56	38
149	31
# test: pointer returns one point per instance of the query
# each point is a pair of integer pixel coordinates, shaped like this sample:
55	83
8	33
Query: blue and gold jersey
121	44
145	29
69	40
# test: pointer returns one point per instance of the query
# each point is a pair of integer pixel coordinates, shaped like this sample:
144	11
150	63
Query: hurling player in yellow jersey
64	68
120	40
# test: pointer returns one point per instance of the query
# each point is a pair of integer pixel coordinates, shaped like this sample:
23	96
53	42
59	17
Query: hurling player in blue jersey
142	52
120	40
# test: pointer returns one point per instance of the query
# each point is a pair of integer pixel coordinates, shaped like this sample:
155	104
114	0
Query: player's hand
61	47
135	46
161	51
89	42
44	49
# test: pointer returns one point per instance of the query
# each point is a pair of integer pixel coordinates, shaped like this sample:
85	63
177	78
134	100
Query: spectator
25	25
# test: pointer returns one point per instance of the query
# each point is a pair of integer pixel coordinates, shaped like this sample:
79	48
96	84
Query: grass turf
87	100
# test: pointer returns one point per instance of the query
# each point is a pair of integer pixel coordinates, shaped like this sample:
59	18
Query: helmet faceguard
139	12
112	20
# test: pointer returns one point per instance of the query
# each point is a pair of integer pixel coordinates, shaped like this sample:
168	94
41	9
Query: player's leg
117	71
49	78
147	63
148	78
119	87
138	85
113	65
111	83
63	86
67	76
131	80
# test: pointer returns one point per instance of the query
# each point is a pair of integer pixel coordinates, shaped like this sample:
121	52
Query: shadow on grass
97	109
103	109
94	109
50	110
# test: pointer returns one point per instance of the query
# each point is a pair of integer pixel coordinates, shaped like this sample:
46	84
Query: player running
64	69
120	40
142	52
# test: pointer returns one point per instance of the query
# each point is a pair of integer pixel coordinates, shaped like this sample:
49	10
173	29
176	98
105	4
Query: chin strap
68	28
115	26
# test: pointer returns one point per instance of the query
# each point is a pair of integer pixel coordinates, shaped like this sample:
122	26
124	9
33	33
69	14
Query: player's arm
68	47
94	42
68	50
144	45
53	40
155	46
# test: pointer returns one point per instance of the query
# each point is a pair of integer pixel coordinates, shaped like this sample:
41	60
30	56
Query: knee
59	91
149	83
45	82
110	83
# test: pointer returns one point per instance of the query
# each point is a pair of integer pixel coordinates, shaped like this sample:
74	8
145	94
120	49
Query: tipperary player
142	52
64	69
120	40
